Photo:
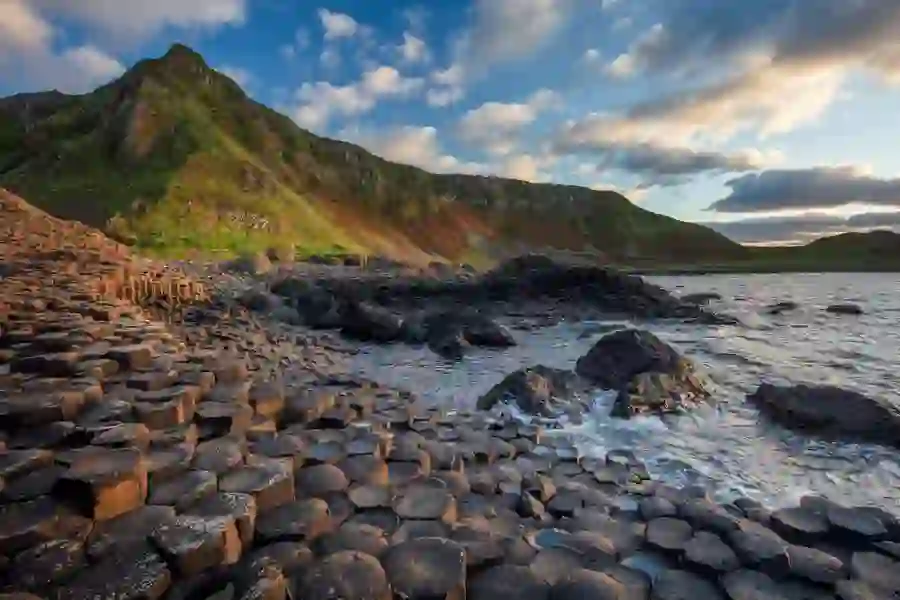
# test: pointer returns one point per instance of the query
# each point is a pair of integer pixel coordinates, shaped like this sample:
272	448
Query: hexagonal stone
759	548
552	565
31	485
427	568
656	507
426	503
290	557
307	407
855	525
166	408
218	455
269	485
222	418
104	484
134	357
56	364
319	480
19	462
345	575
152	381
508	582
582	583
705	514
669	535
193	544
184	490
47	564
799	524
815	565
127	530
167	462
40	408
297	521
878	571
365	469
267	399
367	539
282	446
682	585
709	555
371	496
136	573
240	507
751	585
124	435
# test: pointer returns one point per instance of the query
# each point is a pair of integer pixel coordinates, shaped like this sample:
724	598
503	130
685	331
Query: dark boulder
478	329
844	309
536	390
369	322
449	344
781	307
829	412
701	298
649	375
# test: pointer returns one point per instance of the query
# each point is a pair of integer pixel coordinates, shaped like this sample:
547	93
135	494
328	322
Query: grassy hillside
175	158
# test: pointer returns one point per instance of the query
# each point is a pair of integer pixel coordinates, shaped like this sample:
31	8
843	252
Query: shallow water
728	448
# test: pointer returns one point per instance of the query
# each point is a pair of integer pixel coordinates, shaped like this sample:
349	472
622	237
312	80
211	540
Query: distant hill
174	157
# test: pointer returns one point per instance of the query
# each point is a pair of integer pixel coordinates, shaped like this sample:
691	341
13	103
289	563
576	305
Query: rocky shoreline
167	444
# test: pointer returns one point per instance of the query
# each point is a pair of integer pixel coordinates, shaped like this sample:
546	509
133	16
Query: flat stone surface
240	507
426	502
707	554
193	544
47	564
345	575
655	507
815	565
759	547
270	485
799	524
682	585
137	573
879	572
668	535
365	470
104	484
218	455
427	568
508	582
583	583
371	496
127	530
27	524
297	521
184	490
319	480
367	539
751	585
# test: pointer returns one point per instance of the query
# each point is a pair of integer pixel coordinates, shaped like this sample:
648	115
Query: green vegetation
175	159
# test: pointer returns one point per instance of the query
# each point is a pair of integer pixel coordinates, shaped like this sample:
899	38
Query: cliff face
174	157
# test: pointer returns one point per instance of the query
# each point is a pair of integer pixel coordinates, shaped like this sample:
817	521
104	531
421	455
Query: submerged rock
534	389
649	375
844	309
830	412
701	298
781	307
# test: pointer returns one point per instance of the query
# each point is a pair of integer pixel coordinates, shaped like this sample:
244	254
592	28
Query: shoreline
209	457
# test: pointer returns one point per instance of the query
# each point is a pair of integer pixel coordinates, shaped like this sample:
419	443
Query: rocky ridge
138	464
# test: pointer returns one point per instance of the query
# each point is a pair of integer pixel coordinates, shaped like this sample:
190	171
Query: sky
771	120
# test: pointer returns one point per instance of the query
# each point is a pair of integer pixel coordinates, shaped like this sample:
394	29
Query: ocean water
728	448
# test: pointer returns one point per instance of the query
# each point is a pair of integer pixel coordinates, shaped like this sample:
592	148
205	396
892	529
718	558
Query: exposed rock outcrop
649	376
830	412
537	390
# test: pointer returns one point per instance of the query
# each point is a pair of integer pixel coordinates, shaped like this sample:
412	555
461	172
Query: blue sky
774	120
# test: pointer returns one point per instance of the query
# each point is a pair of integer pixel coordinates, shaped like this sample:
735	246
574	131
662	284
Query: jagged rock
830	412
536	390
649	375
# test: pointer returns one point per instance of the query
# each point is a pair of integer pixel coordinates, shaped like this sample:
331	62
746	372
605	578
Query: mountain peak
181	52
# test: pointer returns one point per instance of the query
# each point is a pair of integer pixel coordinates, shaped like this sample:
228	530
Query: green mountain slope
174	157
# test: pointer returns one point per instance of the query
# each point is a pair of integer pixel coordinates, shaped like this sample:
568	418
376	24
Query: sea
728	447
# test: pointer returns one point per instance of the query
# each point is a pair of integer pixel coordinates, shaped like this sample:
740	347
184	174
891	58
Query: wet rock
427	503
707	554
781	307
508	582
799	524
701	297
127	530
844	309
48	564
705	514
367	539
427	568
855	526
751	585
104	484
184	490
830	412
346	575
227	505
648	375
451	345
193	544
319	480
474	327
815	565
759	547
582	583
682	585
297	521
136	573
368	322
270	485
879	572
668	535
535	390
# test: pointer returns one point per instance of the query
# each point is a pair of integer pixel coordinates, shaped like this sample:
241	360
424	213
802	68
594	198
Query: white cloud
337	25
448	86
241	76
21	27
93	64
413	49
417	146
495	126
510	29
321	100
127	19
525	167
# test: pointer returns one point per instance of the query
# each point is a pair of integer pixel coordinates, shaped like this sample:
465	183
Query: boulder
781	307
251	264
830	412
535	390
451	345
369	322
476	328
701	298
844	309
649	375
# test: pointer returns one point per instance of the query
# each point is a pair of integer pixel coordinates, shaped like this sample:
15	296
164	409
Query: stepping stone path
158	444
